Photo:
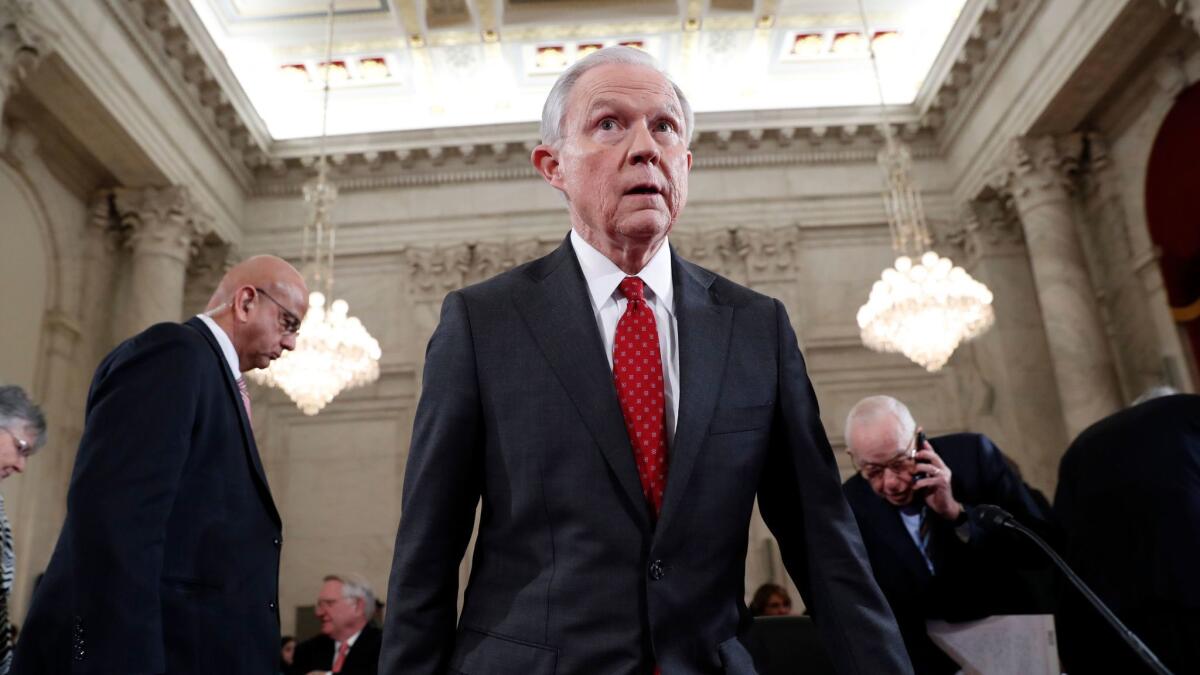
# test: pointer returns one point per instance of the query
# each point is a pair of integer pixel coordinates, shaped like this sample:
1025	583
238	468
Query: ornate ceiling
426	64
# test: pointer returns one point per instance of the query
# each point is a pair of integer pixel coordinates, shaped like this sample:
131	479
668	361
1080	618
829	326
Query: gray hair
356	586
1155	392
17	412
875	409
555	108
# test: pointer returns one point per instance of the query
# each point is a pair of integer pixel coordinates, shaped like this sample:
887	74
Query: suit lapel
231	388
559	316
704	334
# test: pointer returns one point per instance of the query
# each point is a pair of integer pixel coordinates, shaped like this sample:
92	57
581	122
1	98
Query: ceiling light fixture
333	351
923	306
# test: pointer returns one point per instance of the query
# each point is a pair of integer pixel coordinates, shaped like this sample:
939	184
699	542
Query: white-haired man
930	557
349	642
617	410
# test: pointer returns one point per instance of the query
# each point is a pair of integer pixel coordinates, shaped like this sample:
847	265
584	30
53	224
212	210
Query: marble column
162	225
1005	378
1037	176
22	44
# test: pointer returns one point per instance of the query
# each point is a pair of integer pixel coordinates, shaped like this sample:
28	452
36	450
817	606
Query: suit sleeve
802	503
136	440
1001	486
442	485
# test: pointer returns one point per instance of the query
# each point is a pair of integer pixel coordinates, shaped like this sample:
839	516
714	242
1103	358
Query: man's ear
243	298
545	161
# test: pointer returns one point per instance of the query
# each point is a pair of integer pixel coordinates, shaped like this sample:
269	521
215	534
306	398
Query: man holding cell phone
911	497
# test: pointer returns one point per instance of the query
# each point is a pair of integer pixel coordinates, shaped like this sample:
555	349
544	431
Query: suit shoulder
727	291
181	344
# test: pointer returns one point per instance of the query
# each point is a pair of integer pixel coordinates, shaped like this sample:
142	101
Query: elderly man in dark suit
169	557
349	642
1129	502
930	557
617	409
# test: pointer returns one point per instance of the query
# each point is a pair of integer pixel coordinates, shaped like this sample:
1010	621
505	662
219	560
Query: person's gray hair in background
872	409
356	586
556	102
18	412
1155	392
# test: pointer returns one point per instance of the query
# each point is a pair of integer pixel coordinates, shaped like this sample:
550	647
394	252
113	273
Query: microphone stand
995	516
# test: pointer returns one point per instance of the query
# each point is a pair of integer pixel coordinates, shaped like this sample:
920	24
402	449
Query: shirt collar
337	644
603	276
227	349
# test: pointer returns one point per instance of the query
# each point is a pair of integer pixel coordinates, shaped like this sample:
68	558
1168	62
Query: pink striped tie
245	397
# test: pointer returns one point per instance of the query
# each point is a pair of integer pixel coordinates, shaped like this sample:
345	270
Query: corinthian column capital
23	42
1040	168
160	221
1189	10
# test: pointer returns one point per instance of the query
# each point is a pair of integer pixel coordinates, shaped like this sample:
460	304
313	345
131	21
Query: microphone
992	517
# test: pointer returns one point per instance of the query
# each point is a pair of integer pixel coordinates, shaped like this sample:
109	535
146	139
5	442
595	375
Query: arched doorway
1173	213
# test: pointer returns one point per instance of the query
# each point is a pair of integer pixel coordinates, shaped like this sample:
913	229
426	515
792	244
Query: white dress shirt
608	304
227	349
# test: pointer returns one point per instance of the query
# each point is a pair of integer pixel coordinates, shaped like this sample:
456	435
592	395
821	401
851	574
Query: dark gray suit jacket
571	574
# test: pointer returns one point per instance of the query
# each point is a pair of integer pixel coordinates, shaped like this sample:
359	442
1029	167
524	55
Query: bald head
267	272
259	304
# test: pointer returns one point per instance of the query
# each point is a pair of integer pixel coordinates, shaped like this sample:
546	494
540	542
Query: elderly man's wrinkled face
623	161
882	455
341	617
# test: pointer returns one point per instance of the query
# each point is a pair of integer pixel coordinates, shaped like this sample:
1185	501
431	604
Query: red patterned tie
637	371
340	661
241	382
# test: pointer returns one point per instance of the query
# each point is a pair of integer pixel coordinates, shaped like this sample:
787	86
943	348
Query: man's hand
936	484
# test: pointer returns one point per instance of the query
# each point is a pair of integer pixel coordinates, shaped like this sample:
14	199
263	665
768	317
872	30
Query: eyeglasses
291	322
904	462
24	449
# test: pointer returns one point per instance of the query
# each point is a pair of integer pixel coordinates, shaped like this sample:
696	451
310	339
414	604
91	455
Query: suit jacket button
271	606
277	542
658	570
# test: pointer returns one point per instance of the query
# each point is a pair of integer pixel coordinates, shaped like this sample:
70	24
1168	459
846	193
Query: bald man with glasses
168	561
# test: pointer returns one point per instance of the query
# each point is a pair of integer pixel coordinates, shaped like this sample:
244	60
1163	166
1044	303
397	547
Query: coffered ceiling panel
420	64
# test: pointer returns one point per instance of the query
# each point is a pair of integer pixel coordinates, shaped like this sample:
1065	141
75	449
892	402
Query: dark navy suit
1129	502
991	573
571	573
317	653
168	560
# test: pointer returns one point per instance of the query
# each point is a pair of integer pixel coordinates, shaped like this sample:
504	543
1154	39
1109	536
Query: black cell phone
919	475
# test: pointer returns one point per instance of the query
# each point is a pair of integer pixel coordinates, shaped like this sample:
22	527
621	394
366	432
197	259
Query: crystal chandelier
923	306
333	351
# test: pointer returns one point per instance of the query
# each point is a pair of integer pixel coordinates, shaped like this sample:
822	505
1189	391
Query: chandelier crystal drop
922	310
334	351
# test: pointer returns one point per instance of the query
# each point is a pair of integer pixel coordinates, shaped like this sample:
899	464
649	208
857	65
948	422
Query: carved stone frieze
743	254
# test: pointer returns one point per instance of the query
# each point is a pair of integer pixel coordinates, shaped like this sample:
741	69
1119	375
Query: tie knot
631	288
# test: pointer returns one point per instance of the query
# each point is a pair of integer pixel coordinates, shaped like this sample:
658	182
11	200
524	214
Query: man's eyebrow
613	104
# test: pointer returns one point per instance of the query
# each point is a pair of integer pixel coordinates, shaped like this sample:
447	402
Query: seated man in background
349	642
1129	502
930	557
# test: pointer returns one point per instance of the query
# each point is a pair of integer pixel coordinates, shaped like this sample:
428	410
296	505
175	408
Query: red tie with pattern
637	371
245	392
